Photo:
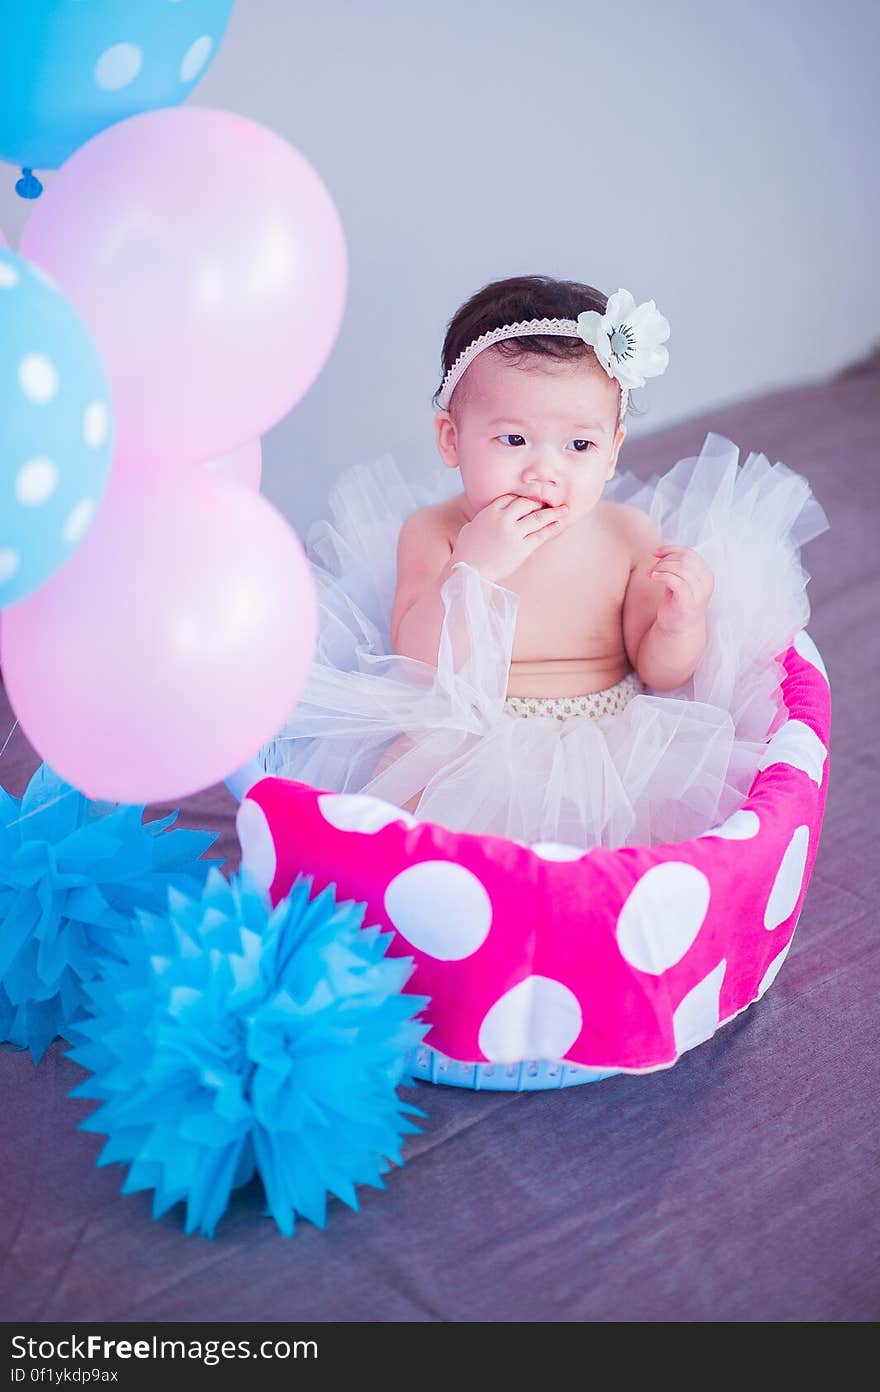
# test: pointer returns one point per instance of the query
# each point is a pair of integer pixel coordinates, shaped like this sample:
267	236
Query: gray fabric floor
741	1185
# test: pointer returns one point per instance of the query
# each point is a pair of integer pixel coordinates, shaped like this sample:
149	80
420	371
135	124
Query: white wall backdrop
718	158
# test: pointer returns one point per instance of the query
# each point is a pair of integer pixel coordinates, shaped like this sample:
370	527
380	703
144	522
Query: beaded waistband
594	704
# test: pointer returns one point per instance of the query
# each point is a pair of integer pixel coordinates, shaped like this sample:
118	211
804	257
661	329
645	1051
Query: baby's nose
540	473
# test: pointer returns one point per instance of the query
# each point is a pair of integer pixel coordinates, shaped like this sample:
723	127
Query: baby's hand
505	533
689	584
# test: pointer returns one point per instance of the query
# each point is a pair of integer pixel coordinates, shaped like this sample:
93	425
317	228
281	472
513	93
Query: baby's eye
582	446
518	438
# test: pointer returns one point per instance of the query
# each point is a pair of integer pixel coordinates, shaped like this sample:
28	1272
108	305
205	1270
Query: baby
528	658
533	421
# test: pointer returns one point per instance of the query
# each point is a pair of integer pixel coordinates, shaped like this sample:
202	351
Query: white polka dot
258	857
440	908
696	1018
9	563
36	481
537	1019
804	645
772	971
789	879
555	850
359	812
662	916
118	66
79	520
741	826
195	58
96	424
8	275
796	744
38	378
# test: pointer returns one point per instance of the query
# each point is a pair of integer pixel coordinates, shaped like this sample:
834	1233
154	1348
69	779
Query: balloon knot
28	185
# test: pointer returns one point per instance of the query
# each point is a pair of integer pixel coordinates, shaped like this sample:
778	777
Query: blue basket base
431	1066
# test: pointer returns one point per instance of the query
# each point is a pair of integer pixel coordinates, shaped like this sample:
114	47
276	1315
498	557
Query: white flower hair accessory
627	341
627	338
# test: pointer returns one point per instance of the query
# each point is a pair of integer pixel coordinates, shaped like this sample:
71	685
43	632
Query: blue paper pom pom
72	873
236	1039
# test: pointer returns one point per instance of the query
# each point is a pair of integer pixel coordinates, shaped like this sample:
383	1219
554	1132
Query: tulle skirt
667	767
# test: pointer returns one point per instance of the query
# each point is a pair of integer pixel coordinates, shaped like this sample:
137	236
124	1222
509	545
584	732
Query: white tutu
667	767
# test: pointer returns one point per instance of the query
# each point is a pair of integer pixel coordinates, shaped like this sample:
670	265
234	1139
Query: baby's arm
664	607
424	561
496	542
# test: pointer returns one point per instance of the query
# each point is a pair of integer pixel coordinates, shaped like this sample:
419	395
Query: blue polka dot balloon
56	428
69	70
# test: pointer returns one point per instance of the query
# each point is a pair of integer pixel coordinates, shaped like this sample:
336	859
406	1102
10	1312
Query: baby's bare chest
571	593
571	597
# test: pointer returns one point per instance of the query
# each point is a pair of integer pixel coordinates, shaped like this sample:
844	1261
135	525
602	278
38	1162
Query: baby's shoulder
426	538
633	528
433	520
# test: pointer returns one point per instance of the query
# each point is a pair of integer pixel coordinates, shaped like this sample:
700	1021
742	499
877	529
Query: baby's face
547	432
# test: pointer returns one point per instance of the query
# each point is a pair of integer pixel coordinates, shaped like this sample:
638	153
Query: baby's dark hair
509	301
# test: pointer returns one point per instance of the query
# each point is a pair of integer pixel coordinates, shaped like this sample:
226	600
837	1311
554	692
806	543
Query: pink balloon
243	465
172	645
208	260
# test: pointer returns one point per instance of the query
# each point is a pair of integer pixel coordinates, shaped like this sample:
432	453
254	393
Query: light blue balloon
69	68
56	428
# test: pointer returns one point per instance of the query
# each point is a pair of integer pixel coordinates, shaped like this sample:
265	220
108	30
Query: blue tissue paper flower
72	873
236	1039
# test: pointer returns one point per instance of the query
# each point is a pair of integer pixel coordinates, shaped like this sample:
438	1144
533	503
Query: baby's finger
526	508
694	565
675	582
693	569
673	565
690	562
544	518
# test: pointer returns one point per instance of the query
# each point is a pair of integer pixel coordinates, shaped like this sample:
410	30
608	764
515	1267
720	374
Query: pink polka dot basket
549	965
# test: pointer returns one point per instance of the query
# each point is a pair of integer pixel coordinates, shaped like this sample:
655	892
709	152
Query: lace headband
627	340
